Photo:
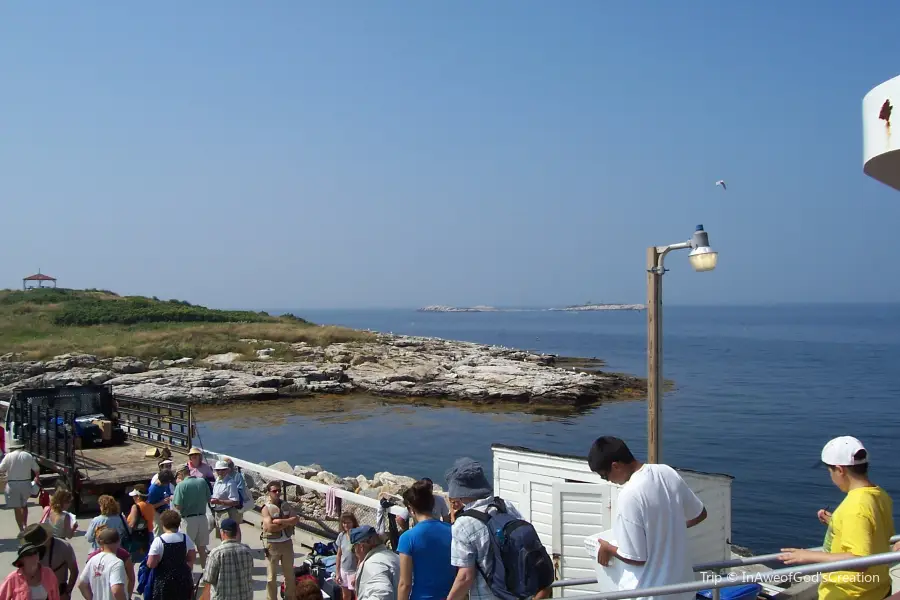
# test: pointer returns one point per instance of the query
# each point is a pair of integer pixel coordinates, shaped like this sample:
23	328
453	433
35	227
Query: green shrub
132	310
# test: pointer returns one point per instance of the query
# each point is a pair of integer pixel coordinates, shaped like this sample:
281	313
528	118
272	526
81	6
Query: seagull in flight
722	183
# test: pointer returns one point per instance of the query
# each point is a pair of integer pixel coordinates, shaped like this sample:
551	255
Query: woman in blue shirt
425	569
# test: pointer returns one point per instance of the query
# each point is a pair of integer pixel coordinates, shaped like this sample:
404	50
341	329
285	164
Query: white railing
306	484
711	566
718	581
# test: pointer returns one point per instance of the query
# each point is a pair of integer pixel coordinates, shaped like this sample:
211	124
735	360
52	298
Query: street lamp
702	258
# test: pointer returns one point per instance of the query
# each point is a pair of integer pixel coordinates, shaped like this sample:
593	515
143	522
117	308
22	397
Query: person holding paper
655	509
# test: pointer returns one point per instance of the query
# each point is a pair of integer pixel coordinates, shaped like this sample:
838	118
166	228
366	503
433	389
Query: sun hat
222	466
26	550
165	461
466	479
844	451
195	450
37	534
138	491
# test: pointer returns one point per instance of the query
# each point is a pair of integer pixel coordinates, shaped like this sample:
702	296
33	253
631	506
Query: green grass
46	322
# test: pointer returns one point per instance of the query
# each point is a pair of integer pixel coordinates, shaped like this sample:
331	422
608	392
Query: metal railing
744	561
722	581
310	498
719	582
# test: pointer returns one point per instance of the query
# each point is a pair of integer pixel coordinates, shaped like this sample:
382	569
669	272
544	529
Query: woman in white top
56	515
172	554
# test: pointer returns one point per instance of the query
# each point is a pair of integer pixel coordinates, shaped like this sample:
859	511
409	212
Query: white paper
618	576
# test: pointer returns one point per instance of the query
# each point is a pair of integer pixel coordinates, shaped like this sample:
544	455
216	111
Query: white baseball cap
222	466
842	451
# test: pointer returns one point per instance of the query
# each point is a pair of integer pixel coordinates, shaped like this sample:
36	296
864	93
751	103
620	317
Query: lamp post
702	258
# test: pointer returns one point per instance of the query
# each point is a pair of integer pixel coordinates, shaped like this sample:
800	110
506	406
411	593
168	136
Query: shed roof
39	277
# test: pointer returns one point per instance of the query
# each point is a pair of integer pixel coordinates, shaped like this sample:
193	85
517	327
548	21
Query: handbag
44	498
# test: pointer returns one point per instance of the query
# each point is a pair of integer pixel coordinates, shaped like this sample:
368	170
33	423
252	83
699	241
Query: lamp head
702	257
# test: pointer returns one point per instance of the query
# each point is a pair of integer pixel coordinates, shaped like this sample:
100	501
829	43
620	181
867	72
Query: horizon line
549	308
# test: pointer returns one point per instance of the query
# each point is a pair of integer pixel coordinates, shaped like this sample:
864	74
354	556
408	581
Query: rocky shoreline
392	366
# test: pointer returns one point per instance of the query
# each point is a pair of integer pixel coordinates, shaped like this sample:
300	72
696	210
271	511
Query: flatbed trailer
44	420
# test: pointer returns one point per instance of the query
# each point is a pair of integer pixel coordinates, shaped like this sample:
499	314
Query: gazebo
39	278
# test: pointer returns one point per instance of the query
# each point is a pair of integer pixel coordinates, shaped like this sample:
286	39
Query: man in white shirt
103	577
20	469
441	510
655	509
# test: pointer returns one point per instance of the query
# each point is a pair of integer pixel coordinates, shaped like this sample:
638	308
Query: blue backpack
519	566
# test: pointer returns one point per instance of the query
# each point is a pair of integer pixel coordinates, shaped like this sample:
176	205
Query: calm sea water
758	393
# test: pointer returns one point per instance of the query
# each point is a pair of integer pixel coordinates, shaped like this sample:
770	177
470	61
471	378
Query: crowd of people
476	546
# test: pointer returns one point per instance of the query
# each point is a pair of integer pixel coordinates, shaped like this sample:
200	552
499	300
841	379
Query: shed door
579	510
538	506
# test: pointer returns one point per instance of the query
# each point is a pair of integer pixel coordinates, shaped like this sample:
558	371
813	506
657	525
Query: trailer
93	442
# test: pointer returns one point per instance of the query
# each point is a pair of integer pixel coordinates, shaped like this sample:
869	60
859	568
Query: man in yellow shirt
861	526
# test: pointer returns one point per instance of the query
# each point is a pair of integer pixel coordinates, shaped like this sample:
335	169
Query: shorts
348	580
197	528
17	494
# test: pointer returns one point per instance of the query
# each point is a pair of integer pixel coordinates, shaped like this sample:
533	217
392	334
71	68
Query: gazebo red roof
39	277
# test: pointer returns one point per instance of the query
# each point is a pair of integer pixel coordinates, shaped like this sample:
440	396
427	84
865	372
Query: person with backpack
56	554
140	524
278	523
497	553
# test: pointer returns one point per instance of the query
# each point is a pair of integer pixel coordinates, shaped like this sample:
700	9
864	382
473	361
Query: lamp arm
663	250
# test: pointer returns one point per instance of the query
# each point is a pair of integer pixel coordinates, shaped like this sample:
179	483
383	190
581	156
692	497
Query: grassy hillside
46	322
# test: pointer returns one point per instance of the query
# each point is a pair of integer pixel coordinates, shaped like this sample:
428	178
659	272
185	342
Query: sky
401	154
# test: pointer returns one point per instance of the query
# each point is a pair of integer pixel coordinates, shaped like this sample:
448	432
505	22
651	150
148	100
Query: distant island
584	307
438	308
578	308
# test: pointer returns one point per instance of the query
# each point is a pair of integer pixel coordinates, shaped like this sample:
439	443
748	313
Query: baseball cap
222	466
844	451
360	534
228	526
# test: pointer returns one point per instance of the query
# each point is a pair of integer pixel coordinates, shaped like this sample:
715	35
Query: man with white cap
225	496
861	526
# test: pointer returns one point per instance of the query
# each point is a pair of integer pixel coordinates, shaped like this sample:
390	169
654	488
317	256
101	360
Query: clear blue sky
396	154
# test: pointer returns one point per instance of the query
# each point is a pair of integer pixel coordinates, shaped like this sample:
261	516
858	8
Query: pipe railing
719	581
710	566
306	484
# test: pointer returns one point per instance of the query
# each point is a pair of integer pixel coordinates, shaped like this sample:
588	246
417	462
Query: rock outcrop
393	366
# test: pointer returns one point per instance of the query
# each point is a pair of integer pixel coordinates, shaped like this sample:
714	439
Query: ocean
758	392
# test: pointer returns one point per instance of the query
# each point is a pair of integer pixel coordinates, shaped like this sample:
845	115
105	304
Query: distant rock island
583	307
455	309
578	308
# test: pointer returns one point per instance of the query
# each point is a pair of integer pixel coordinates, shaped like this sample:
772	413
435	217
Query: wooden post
654	356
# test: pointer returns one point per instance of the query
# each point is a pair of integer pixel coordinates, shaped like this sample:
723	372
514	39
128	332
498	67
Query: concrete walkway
9	543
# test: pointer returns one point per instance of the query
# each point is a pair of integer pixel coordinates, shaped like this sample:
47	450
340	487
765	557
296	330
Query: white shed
566	501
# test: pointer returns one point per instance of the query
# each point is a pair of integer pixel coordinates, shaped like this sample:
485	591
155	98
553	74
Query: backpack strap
485	518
